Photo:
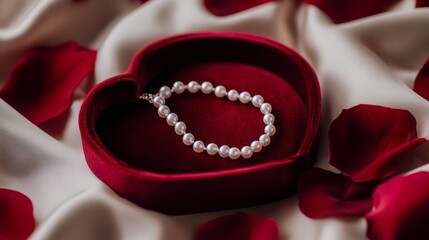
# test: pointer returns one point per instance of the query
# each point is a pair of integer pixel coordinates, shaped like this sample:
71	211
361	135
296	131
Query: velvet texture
129	147
239	226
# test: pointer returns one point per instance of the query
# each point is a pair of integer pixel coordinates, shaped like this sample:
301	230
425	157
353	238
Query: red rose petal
369	142
422	3
240	226
421	84
228	7
16	215
323	193
41	83
401	209
343	11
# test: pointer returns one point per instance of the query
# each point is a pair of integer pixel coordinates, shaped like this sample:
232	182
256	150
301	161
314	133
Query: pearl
257	100
266	108
256	146
163	111
180	128
234	153
198	146
188	139
206	87
193	87
246	152
220	91
165	92
172	119
265	139
179	87
212	149
245	97
223	151
232	95
270	129
158	101
269	118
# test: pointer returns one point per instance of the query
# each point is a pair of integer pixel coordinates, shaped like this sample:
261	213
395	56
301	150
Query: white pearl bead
172	119
206	87
245	97
256	146
179	87
198	146
220	91
232	95
257	100
158	101
180	128
193	87
223	151
270	129
188	139
163	111
234	153
265	139
266	108
212	149
246	152
269	118
165	92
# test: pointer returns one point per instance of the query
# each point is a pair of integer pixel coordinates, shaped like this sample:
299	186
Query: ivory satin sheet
371	60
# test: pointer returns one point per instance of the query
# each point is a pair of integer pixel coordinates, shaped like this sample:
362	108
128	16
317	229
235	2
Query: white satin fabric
372	60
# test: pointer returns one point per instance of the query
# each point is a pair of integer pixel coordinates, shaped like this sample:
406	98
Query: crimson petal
239	226
343	11
16	215
369	142
401	209
228	7
421	84
422	3
41	83
323	193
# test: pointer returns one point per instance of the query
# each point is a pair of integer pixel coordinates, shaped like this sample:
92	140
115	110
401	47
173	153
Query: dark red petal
401	209
16	215
369	142
228	7
41	83
240	226
323	193
421	84
422	3
343	11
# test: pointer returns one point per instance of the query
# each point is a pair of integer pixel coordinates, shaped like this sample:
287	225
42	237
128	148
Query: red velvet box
137	154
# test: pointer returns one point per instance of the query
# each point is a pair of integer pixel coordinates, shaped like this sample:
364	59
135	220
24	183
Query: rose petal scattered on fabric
228	7
370	142
322	193
421	84
422	3
341	11
239	226
16	215
401	209
41	83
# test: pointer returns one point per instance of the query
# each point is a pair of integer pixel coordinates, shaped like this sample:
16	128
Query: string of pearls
165	92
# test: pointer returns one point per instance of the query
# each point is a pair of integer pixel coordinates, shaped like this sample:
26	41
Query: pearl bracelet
158	100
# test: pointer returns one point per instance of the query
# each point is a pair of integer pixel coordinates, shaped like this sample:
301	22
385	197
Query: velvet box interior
137	154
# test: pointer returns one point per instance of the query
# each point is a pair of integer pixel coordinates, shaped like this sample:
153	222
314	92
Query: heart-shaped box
137	154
